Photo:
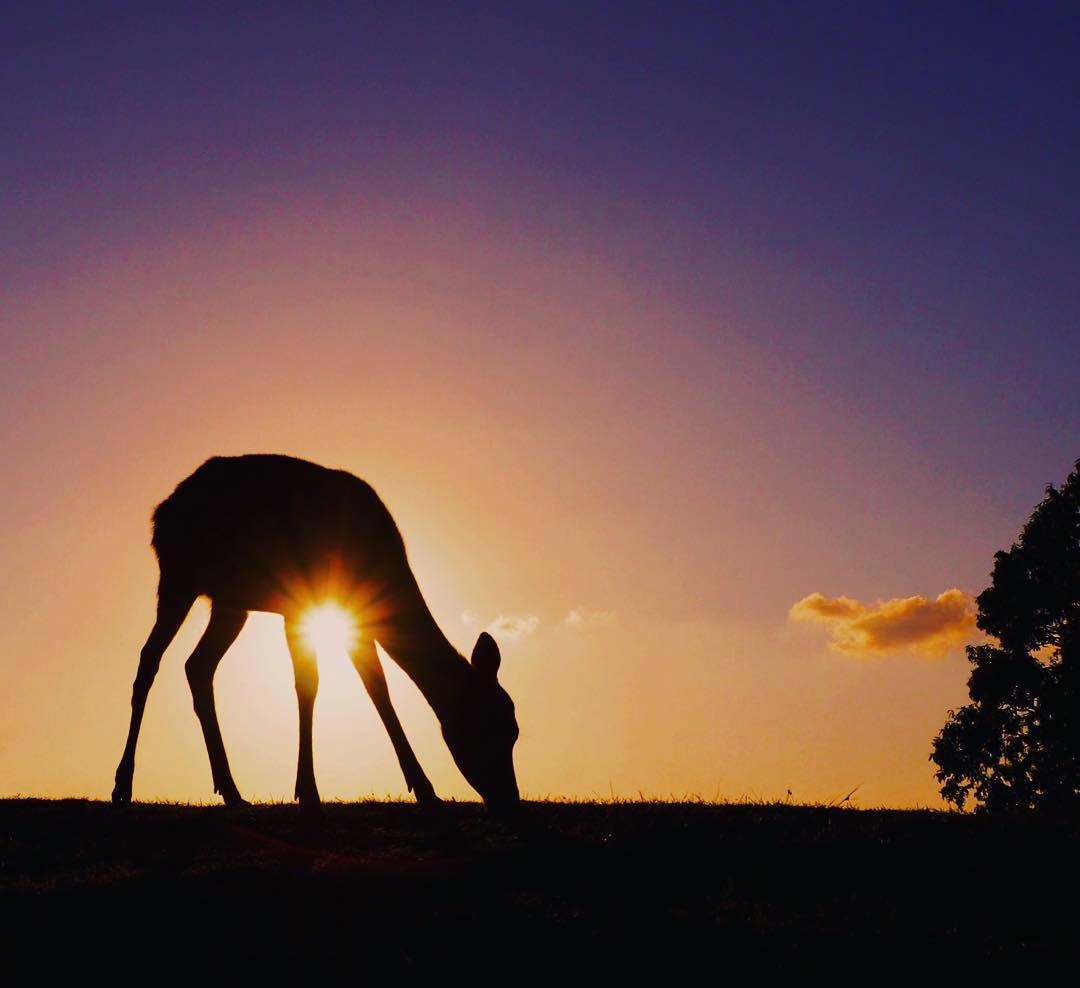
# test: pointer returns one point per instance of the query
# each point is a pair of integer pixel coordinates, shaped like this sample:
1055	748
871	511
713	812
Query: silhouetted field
595	889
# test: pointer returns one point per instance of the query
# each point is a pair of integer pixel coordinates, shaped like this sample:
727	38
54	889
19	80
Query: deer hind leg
173	606
225	624
366	661
306	675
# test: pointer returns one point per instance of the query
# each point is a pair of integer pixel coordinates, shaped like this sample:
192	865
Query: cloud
904	624
509	628
582	617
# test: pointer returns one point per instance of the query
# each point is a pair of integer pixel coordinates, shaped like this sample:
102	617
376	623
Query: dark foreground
596	889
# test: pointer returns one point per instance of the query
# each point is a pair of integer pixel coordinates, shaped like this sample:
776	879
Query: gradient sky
687	343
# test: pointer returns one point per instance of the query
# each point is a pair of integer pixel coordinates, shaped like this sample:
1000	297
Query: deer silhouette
279	534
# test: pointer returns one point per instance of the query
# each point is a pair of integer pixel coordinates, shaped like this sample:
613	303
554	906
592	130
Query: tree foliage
1016	745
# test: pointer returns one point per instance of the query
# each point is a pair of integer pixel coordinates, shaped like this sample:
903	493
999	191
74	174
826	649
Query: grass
598	889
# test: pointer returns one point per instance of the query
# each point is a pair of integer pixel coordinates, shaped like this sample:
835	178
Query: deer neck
416	643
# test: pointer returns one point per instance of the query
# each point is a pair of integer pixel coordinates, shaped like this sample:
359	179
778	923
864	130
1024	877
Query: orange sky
706	370
647	515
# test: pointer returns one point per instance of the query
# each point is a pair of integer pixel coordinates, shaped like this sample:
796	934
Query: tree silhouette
1016	746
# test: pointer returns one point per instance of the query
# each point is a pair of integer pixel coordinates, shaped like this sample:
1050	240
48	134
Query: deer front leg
221	632
306	674
366	661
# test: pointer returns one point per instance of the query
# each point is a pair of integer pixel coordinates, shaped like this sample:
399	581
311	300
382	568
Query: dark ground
598	889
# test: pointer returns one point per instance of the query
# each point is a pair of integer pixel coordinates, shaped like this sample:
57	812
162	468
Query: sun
329	628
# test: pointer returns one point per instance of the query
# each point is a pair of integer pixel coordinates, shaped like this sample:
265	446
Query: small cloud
470	619
582	617
903	624
508	628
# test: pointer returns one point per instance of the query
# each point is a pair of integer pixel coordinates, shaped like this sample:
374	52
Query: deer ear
485	656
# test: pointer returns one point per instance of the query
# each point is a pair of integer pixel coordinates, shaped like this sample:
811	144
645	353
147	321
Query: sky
704	353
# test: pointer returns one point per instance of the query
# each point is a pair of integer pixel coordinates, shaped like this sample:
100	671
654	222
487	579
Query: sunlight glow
329	628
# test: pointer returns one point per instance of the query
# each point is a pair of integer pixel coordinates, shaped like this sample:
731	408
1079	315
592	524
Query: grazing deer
274	533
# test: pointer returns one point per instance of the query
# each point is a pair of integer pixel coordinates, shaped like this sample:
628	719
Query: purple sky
913	168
